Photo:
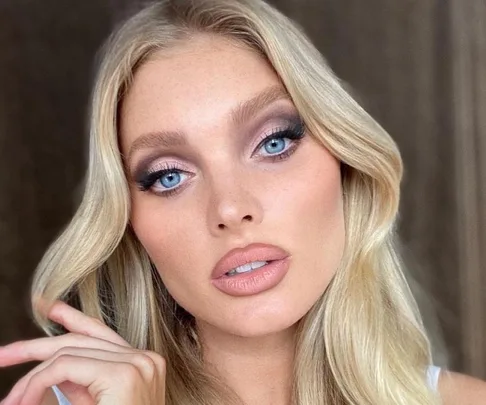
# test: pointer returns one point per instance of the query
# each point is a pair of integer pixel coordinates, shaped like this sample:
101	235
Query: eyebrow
242	113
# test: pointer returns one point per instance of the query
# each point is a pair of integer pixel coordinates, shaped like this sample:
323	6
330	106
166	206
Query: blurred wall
417	66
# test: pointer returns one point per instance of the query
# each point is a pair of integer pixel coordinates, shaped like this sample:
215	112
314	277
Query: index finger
41	349
78	322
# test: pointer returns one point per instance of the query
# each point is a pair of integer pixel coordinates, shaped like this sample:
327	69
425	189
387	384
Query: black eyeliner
294	130
145	180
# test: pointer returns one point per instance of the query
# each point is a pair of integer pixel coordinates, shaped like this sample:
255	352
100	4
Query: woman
235	240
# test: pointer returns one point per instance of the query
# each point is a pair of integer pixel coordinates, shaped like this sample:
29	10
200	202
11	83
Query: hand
91	365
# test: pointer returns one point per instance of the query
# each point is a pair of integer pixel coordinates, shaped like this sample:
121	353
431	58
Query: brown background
417	65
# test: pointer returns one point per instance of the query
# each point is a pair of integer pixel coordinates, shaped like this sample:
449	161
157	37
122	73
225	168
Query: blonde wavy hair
363	342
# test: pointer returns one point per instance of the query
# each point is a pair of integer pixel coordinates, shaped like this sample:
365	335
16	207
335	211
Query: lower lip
254	282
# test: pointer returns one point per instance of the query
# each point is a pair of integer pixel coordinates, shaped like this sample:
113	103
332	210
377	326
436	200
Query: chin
255	330
263	323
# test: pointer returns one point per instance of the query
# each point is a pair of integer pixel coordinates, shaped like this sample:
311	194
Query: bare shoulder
456	388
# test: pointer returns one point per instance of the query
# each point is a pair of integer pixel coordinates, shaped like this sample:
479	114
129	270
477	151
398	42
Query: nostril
244	219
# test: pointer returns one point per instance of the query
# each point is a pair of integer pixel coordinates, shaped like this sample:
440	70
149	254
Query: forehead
197	84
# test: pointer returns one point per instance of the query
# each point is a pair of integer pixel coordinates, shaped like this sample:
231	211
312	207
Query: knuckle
158	360
128	372
63	351
146	364
34	381
99	321
62	359
146	360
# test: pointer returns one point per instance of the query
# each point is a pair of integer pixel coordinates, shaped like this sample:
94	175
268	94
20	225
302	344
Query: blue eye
282	142
275	144
170	179
166	181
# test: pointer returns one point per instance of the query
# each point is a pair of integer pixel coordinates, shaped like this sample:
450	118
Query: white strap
60	396
433	377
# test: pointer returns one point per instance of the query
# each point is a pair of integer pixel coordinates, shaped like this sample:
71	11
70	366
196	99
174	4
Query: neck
258	369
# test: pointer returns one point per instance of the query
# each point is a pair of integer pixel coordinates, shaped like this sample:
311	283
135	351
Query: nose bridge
233	200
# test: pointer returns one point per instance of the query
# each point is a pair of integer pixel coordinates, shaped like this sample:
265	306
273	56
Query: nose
234	207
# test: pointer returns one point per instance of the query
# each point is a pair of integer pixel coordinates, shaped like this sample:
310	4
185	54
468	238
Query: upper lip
251	253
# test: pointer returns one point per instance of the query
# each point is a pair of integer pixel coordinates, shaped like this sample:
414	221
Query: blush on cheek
319	187
322	204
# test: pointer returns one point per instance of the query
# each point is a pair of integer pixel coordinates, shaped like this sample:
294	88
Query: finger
158	360
74	393
77	322
91	373
42	349
144	363
18	389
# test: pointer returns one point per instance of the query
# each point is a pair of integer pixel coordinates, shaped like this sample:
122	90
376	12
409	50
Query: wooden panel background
417	66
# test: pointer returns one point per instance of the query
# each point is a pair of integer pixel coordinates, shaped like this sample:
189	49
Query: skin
232	196
91	365
295	204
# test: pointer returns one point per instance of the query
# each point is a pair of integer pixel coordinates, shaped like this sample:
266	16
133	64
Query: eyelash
295	132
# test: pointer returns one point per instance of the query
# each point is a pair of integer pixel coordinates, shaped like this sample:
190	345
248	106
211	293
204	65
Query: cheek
315	219
309	205
164	237
326	211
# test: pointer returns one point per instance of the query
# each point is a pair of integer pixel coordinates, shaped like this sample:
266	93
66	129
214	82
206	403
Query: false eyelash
295	131
147	180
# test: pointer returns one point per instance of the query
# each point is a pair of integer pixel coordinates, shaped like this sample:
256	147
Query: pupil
170	180
273	145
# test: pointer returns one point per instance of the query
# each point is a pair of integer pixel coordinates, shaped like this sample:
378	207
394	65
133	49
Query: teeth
246	267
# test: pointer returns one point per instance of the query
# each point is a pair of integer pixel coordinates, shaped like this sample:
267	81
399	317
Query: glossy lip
251	253
255	281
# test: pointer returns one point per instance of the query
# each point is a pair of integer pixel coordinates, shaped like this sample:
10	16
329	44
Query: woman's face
200	115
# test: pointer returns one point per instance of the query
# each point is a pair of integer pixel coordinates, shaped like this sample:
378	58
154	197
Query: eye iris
275	145
172	178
